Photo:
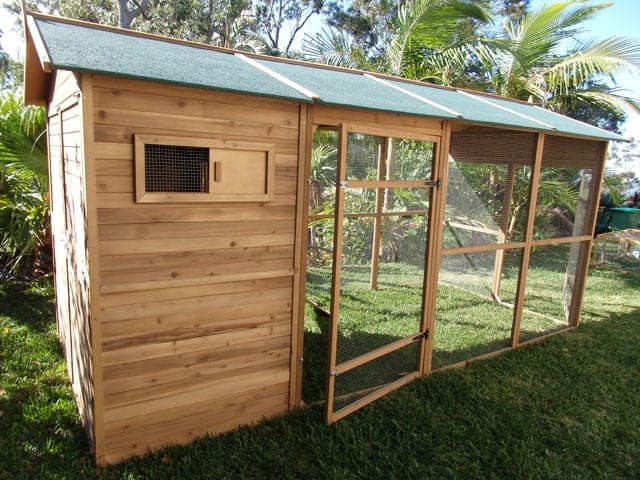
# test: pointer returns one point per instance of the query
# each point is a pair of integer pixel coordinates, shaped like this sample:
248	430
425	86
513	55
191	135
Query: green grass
566	408
468	322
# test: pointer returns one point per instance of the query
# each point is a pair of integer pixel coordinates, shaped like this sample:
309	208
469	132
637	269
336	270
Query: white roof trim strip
500	107
281	78
414	95
564	117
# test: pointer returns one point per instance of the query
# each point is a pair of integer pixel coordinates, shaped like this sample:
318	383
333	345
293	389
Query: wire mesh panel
563	203
322	173
474	309
409	159
488	185
549	291
363	153
399	200
362	380
371	318
359	200
566	188
175	168
319	261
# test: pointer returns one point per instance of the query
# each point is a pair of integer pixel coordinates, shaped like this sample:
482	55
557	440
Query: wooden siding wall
196	299
68	207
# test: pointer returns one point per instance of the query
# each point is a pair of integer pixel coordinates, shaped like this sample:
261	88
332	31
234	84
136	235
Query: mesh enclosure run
403	159
173	168
488	187
474	309
549	292
618	250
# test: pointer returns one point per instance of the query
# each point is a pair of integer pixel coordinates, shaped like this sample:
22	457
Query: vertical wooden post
528	237
502	235
93	260
305	137
585	248
377	220
388	193
337	267
437	201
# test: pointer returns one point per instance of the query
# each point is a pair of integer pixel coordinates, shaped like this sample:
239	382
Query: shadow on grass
41	435
28	303
385	369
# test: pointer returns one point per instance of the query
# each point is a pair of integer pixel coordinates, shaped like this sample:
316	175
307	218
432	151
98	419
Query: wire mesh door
377	325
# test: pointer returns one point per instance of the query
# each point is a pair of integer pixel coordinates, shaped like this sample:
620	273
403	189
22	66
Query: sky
622	18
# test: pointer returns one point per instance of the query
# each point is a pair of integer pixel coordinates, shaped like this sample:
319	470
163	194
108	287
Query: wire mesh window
176	169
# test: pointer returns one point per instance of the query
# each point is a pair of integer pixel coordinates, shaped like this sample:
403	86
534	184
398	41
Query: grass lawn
468	321
566	408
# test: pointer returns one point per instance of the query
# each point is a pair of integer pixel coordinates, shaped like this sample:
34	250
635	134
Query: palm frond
334	47
607	57
608	100
427	25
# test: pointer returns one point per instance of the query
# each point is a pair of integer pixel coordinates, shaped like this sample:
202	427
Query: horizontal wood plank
206	213
127	437
189	395
150	245
189	125
211	96
186	260
150	328
124	134
205	342
261	290
195	107
125	288
211	325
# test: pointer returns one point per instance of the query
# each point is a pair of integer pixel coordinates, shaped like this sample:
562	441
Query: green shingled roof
88	48
80	48
353	90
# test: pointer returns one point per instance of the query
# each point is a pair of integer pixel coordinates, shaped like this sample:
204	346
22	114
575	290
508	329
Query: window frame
142	196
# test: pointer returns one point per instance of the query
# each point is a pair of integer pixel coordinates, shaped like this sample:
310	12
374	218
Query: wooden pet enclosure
211	232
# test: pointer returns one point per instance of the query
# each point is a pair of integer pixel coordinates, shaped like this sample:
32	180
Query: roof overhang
37	66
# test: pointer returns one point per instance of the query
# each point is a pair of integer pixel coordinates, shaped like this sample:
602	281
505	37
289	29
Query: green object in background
620	218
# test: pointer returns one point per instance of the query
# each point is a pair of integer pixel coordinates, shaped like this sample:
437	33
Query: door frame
432	253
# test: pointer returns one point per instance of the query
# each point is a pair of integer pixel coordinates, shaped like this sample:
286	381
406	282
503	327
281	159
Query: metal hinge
433	183
334	373
344	184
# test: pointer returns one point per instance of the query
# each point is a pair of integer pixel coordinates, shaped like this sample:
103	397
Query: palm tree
24	209
539	58
421	29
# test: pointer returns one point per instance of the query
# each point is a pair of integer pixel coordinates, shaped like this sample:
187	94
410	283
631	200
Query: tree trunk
126	16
